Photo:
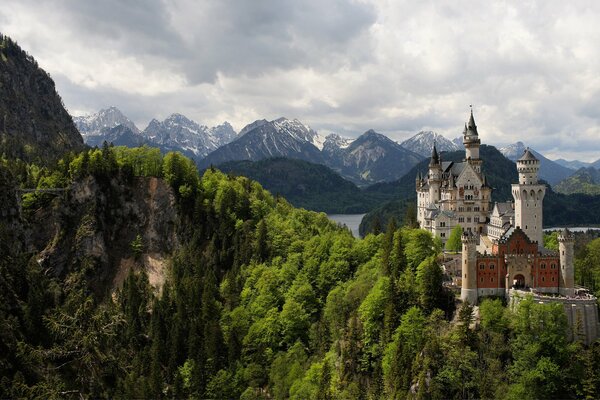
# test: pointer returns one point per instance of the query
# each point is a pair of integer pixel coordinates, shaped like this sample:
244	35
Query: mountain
97	124
559	209
422	143
574	165
266	139
595	164
304	184
371	158
35	125
585	180
179	132
550	171
119	135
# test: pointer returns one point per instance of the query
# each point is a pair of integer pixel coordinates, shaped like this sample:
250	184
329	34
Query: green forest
264	301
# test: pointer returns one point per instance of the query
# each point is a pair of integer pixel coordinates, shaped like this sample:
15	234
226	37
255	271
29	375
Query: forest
263	300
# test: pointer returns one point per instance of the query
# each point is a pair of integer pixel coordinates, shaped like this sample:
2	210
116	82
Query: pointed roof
435	158
471	127
528	156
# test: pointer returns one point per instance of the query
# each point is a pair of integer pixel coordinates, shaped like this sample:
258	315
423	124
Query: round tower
472	142
529	196
566	242
435	176
468	291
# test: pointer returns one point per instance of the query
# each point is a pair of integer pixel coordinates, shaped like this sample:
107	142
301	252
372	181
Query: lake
352	221
573	229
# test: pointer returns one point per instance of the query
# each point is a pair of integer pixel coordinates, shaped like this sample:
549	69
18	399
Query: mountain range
176	132
550	171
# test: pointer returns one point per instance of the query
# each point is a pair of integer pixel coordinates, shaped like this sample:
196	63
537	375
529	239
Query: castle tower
529	196
566	241
472	142
468	291
435	176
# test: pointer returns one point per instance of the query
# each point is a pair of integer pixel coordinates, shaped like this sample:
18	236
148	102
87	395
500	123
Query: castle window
492	278
468	219
481	279
543	266
543	279
475	208
553	266
442	234
552	279
481	266
491	266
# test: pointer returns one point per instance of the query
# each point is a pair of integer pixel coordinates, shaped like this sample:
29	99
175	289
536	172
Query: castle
502	248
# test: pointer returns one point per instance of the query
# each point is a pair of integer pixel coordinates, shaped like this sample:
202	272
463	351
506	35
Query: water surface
352	221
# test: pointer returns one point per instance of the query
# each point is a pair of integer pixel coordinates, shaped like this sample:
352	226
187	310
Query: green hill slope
585	181
307	185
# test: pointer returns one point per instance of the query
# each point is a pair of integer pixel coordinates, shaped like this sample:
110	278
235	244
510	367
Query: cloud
530	69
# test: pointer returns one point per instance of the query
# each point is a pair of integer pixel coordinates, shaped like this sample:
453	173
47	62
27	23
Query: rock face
550	171
96	124
34	124
177	132
94	223
422	143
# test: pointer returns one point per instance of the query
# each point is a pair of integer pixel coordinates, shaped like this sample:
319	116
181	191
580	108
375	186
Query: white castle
502	247
457	193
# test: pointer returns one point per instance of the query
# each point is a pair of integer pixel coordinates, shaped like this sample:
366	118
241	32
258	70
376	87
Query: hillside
307	185
585	181
35	125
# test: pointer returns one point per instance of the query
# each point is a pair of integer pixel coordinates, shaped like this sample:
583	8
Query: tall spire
435	158
471	127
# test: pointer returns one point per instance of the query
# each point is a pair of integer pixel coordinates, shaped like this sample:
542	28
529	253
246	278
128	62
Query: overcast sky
530	69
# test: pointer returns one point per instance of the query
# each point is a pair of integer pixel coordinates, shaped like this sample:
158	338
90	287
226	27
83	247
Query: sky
531	69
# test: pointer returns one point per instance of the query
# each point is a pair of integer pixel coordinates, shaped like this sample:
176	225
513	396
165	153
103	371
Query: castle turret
472	142
435	176
566	242
529	196
469	268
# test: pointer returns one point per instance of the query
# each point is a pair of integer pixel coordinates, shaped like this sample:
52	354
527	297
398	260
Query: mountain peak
422	143
106	118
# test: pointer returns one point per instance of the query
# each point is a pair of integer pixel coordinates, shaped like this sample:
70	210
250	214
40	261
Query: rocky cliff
92	225
34	125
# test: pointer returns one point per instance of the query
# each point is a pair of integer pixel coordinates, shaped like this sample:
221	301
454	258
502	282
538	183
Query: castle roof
471	127
435	158
528	156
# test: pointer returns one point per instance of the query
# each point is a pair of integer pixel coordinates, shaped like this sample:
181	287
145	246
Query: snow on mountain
265	139
299	131
422	143
178	131
97	124
370	158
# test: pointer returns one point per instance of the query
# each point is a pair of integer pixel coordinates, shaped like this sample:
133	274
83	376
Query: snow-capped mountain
422	143
550	171
96	124
265	139
371	158
178	131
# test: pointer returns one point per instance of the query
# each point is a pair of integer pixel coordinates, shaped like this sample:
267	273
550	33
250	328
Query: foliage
264	300
454	243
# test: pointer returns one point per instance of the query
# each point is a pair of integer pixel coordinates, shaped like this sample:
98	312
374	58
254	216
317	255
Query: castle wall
582	313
